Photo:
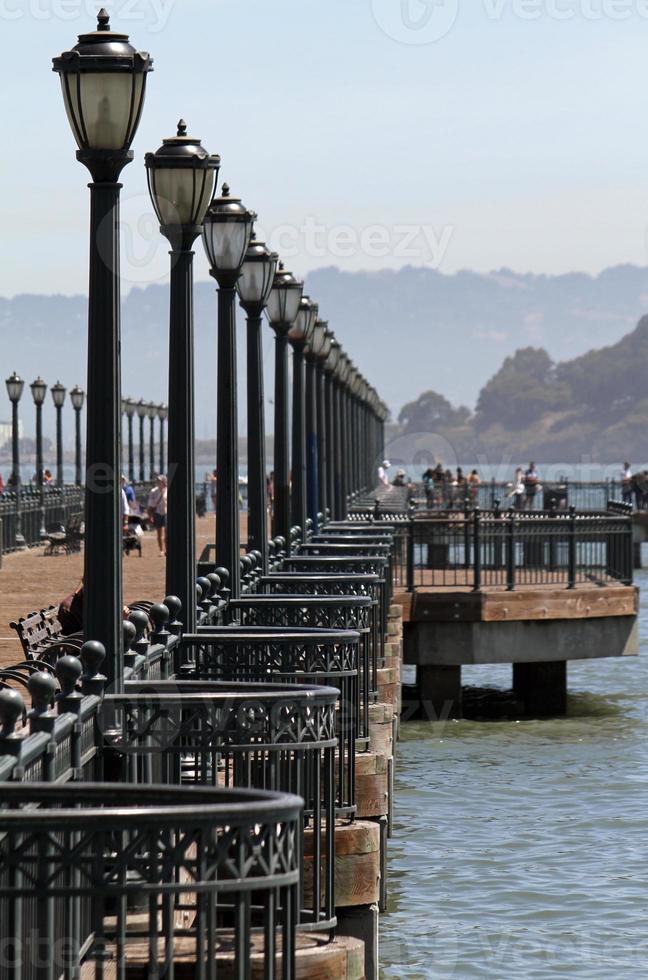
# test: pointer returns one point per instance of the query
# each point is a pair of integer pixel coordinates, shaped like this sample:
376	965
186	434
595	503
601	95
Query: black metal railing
262	736
59	504
347	612
493	550
299	656
111	880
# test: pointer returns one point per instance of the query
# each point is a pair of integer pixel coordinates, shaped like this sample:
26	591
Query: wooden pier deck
30	580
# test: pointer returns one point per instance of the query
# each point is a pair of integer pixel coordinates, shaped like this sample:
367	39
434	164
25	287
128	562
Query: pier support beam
361	922
439	689
636	555
542	687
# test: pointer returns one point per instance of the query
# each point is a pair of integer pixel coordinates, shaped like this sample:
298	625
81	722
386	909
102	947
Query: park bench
67	538
40	632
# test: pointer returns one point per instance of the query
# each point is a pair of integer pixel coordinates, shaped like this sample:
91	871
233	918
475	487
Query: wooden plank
544	602
541	604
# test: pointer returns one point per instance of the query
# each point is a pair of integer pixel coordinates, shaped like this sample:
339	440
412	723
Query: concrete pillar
542	687
636	554
439	691
361	922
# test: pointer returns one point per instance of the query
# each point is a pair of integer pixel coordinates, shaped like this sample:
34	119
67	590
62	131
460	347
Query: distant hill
409	331
595	405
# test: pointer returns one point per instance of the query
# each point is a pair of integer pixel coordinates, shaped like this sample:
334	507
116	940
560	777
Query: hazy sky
366	133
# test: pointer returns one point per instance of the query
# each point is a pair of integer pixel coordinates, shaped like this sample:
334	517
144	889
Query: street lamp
77	397
283	307
343	373
254	285
39	392
15	385
182	178
141	407
103	81
333	427
59	392
128	406
299	336
152	415
316	350
226	236
162	413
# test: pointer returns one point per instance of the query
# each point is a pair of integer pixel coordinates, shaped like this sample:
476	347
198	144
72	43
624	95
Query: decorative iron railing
299	656
108	880
322	612
263	736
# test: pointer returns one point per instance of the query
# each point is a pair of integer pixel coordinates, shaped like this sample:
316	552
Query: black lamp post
104	80
316	351
152	415
332	434
254	285
162	413
182	179
299	336
141	408
343	370
15	385
39	392
77	397
58	397
129	409
226	236
282	309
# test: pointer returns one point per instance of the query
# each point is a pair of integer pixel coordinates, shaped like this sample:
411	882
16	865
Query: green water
520	848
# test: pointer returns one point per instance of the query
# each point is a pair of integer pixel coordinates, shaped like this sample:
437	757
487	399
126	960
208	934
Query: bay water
520	848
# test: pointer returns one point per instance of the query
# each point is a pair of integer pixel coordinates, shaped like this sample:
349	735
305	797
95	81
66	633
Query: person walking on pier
383	476
531	486
626	483
157	508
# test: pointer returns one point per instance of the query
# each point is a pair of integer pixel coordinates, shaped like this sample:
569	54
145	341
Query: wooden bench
68	539
40	633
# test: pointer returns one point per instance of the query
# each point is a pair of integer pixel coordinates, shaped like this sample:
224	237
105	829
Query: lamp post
77	397
332	427
141	408
254	285
58	397
104	81
343	370
181	178
282	309
152	415
226	236
162	413
15	385
129	409
299	336
316	353
39	392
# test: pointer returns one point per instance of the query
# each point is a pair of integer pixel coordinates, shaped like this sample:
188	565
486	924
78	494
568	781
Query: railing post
571	566
477	548
628	553
410	555
510	552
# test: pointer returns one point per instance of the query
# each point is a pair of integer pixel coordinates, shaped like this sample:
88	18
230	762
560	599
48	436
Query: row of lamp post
145	410
103	80
15	387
